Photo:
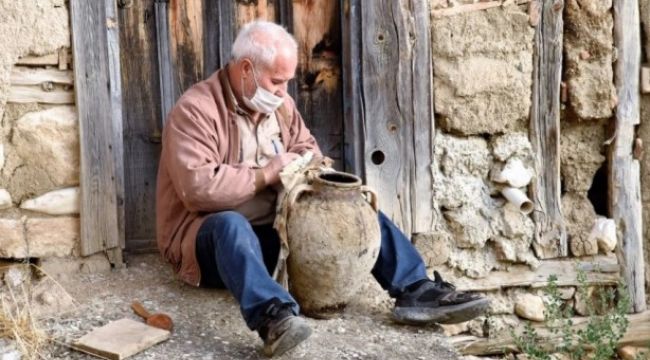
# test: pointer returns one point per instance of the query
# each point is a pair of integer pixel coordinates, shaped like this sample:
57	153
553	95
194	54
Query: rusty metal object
161	321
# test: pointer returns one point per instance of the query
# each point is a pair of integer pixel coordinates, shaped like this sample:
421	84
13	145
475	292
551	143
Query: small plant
605	326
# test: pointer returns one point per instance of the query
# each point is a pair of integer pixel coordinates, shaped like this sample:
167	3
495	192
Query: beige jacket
199	172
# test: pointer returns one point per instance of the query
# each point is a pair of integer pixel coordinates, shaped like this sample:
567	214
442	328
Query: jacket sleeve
203	182
301	138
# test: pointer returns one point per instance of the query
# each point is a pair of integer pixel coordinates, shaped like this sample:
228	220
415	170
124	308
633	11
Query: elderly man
224	144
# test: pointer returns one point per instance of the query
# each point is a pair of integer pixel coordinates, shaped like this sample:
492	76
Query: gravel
208	325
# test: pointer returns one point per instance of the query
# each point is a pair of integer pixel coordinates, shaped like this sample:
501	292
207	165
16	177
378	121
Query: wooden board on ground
120	339
638	334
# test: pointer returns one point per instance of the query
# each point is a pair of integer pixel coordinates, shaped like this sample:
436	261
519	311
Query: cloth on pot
293	177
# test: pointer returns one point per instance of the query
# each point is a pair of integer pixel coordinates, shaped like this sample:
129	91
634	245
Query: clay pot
334	239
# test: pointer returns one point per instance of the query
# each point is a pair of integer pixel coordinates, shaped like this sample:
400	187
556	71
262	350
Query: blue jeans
240	257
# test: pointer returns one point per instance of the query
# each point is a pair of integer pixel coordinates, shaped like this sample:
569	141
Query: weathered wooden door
168	45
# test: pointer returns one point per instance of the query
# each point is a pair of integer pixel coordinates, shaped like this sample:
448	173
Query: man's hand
272	170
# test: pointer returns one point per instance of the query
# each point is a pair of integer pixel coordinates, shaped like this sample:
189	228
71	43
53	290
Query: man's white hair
259	41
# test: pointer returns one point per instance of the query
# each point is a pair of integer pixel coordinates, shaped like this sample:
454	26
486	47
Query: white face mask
263	100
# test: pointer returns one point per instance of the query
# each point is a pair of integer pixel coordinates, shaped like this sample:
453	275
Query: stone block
483	70
45	152
515	144
474	263
433	247
12	240
499	325
581	147
588	49
531	307
457	155
57	236
470	228
579	215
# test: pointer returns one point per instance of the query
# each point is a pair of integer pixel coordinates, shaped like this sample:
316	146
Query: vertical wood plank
317	28
114	69
397	110
167	88
283	10
353	106
219	30
186	38
624	172
550	232
142	122
95	93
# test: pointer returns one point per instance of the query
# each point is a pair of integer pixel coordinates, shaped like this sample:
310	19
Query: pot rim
354	182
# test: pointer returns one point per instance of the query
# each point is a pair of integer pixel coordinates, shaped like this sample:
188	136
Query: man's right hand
272	170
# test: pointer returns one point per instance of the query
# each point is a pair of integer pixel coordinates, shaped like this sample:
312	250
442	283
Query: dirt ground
208	324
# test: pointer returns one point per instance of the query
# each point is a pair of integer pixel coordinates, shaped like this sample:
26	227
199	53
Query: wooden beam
49	59
37	94
168	95
31	76
143	121
637	334
317	30
550	232
600	270
97	101
353	124
186	43
396	107
114	75
455	10
219	29
624	172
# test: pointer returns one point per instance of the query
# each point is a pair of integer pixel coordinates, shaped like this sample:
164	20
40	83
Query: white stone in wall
57	202
49	140
12	239
2	156
56	236
531	307
514	174
5	199
604	233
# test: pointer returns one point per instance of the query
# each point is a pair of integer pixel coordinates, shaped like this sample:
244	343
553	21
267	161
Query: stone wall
39	136
483	71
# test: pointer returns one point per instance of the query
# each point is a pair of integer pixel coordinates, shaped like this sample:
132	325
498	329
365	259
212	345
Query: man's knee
227	221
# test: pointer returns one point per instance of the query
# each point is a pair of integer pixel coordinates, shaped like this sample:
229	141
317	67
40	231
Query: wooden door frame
95	47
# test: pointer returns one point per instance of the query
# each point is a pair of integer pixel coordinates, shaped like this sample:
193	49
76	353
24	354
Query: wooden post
98	100
220	29
550	232
353	124
624	172
317	29
394	95
142	122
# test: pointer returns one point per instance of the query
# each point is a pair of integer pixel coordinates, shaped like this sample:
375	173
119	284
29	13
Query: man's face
275	78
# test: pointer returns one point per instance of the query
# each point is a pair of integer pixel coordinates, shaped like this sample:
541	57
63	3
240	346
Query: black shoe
437	301
281	329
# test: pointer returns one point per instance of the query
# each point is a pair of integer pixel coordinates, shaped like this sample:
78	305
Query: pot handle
295	193
372	197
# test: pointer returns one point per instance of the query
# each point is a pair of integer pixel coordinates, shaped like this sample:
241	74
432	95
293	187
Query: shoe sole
296	332
450	314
